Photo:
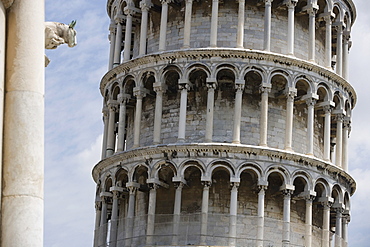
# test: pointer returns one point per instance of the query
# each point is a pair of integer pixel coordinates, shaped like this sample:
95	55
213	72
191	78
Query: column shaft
118	43
204	220
127	47
183	105
237	113
214	22
97	222
130	215
112	39
111	138
326	226
187	23
327	131
289	120
345	55
209	115
114	220
286	219
139	93
339	49
338	145
311	42
145	5
338	228
291	6
233	214
23	131
264	116
158	114
308	223
261	216
177	214
121	124
105	134
328	41
103	223
151	215
267	26
310	125
240	31
345	231
345	134
163	28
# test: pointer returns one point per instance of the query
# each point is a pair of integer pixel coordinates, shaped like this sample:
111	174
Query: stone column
345	221
326	223
310	124
118	42
130	213
338	145
187	23
104	218
158	87
238	111
97	222
312	26
289	118
214	22
339	64
327	130
211	85
346	37
112	39
139	93
346	129
111	138
163	28
291	5
264	114
240	31
267	26
328	40
177	213
151	214
145	6
308	222
338	227
114	218
122	99
233	214
184	87
204	220
105	112
23	131
261	215
127	48
286	218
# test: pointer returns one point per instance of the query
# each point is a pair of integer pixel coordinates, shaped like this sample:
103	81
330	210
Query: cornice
237	151
7	3
225	53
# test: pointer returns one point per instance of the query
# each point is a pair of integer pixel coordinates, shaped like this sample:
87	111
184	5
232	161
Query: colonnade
115	194
341	50
341	119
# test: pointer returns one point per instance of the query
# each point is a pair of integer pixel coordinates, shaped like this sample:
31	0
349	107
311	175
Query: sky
73	123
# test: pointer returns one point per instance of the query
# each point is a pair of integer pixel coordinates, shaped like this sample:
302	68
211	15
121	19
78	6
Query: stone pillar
308	222
204	220
163	28
261	215
214	22
122	99
184	87
286	218
187	23
105	134
158	87
211	85
104	218
97	222
289	118
339	64
267	26
338	227
151	214
328	40
312	26
23	131
118	42
130	214
177	213
239	86
326	223
145	6
112	39
264	114
233	214
327	127
338	145
291	5
111	138
310	124
345	221
346	37
240	31
114	218
127	48
139	93
346	129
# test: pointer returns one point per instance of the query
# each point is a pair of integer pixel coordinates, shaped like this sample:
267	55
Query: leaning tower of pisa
226	123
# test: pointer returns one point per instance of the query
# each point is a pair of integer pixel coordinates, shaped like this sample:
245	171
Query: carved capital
7	3
139	92
184	86
287	193
234	185
159	87
262	188
163	2
311	102
291	3
327	109
145	5
339	117
178	185
206	184
98	205
123	98
129	11
290	94
112	106
239	88
265	90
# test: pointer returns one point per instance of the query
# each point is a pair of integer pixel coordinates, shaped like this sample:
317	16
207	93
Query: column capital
347	123
118	18
234	185
112	105
262	187
311	101
290	3
291	93
184	84
339	117
265	89
327	109
130	10
105	111
98	205
159	87
211	83
178	185
123	98
239	88
188	1
145	5
165	1
140	92
206	184
311	8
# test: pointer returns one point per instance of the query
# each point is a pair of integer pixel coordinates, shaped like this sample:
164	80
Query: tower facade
226	123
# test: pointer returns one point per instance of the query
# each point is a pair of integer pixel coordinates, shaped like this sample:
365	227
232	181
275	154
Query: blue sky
73	124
